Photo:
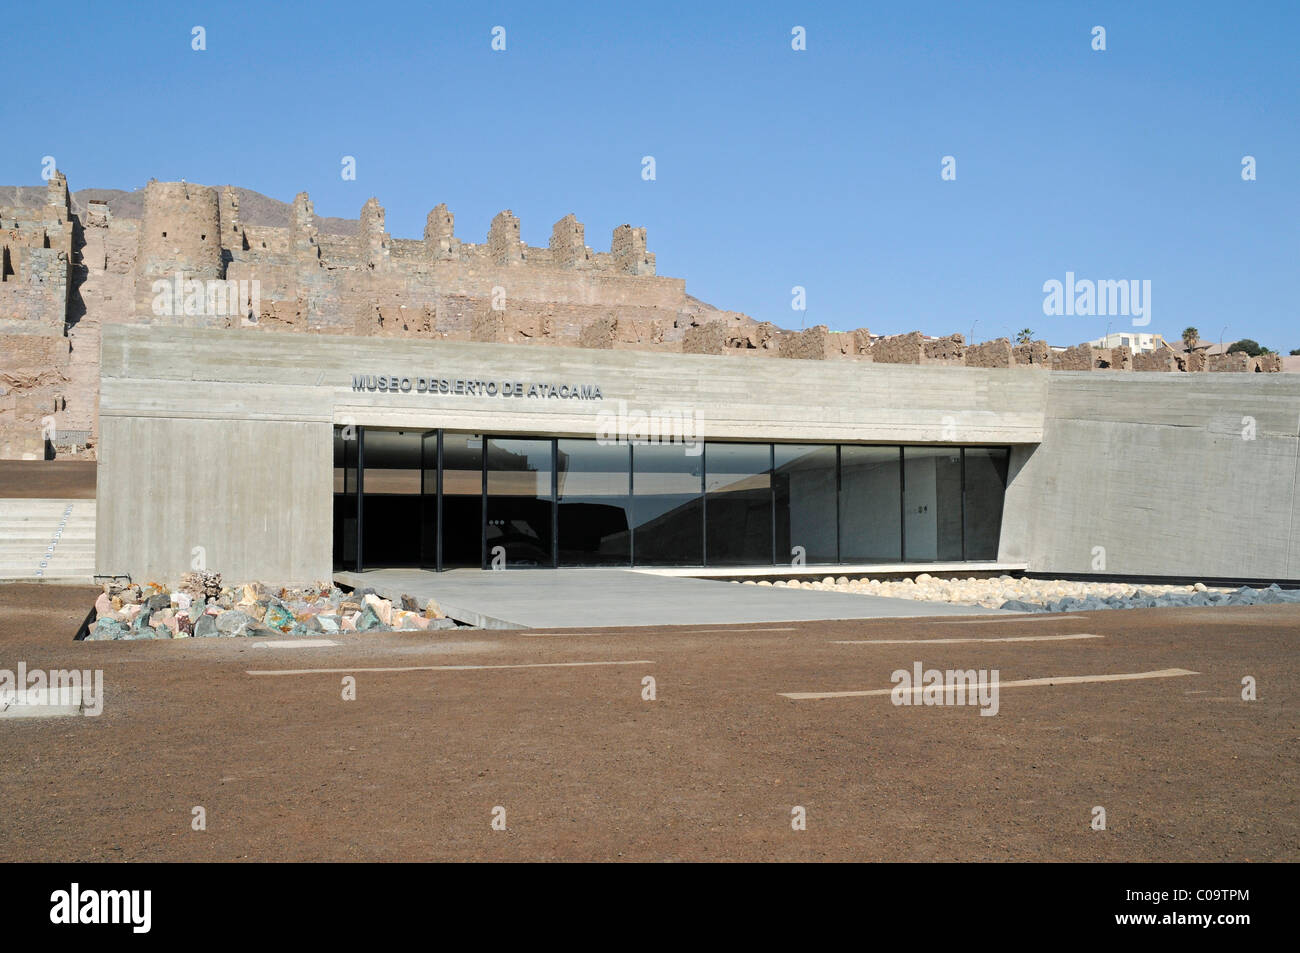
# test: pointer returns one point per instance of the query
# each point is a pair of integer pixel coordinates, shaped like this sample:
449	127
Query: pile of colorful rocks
200	606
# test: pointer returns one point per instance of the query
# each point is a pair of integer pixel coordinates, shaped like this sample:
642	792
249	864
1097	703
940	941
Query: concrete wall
222	439
1155	471
248	498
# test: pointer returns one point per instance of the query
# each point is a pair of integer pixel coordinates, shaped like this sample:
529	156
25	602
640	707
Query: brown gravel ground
587	770
48	479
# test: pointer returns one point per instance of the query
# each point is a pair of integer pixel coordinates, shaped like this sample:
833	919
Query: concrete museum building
317	396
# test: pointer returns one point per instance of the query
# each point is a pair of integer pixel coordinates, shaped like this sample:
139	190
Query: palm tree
1024	336
1190	337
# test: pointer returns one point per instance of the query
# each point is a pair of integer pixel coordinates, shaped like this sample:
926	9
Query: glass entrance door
462	500
520	514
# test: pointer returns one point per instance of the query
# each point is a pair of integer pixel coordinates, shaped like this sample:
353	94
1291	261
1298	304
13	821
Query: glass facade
871	513
737	504
519	498
667	505
441	500
805	488
594	510
932	524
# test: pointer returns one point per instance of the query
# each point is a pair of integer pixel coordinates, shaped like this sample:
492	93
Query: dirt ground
47	479
285	769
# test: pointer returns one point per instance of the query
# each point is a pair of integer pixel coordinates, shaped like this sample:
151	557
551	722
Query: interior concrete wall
1154	474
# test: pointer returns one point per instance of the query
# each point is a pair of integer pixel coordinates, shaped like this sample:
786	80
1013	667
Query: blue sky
774	168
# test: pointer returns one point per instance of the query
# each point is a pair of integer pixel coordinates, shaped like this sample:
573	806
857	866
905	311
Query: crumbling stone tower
503	239
439	234
374	243
568	242
304	242
180	231
628	251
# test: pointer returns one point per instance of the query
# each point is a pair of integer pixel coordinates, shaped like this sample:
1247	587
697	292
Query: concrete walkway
573	598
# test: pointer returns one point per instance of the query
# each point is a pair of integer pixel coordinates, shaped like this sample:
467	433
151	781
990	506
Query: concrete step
47	538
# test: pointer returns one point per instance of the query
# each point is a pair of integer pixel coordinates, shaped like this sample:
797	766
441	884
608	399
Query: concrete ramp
575	598
47	539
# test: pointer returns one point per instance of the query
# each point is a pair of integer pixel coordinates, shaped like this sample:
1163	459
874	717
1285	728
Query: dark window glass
870	518
804	483
667	507
986	483
738	507
519	502
345	498
595	503
462	500
391	501
932	503
429	499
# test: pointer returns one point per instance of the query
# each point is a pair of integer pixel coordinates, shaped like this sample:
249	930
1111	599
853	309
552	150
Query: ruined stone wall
183	255
33	378
996	353
35	262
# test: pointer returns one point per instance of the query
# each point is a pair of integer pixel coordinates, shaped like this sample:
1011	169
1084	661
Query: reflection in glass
667	510
804	483
462	500
391	502
932	503
871	525
738	504
519	502
986	483
595	503
345	498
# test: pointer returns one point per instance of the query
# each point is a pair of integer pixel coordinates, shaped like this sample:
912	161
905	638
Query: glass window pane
391	500
462	500
667	508
429	490
804	482
739	504
595	505
519	501
932	503
345	498
870	519
986	482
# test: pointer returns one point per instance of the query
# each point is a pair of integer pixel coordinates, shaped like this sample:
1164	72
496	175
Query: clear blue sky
775	168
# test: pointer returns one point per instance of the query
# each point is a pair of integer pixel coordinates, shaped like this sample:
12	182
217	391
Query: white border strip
1022	683
437	668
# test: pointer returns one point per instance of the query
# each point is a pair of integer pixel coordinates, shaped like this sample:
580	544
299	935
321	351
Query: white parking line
1021	683
1009	638
436	668
294	644
1036	617
557	635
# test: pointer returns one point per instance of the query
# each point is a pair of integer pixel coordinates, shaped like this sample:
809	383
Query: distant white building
1140	343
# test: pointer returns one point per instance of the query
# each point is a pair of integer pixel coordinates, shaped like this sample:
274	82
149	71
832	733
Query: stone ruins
176	253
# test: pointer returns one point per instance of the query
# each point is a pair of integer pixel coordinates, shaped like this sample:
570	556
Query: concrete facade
217	444
1169	474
